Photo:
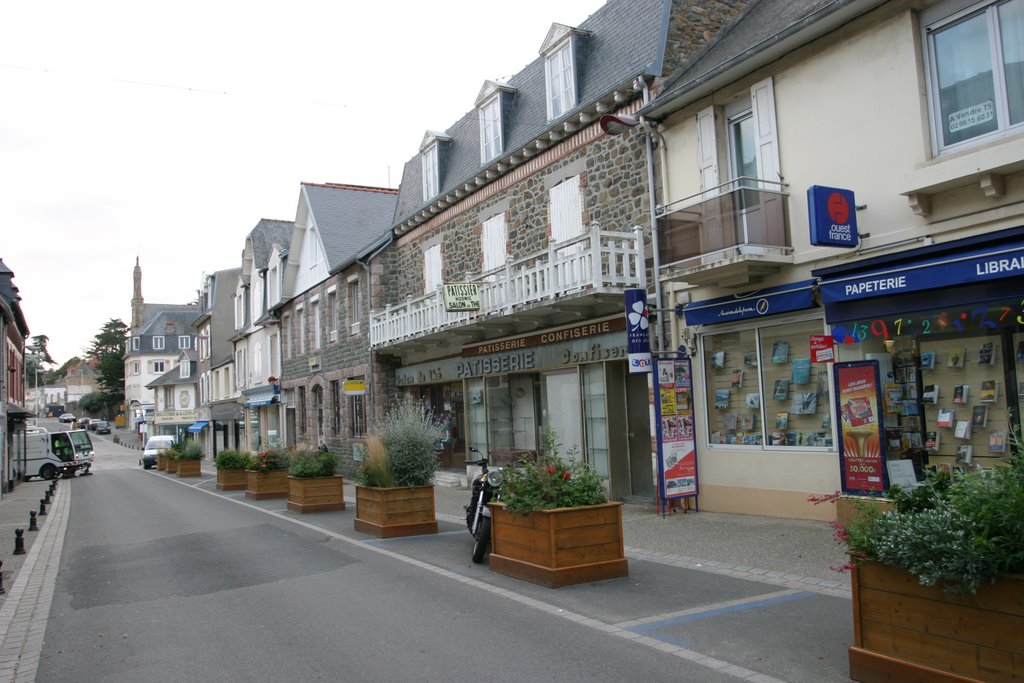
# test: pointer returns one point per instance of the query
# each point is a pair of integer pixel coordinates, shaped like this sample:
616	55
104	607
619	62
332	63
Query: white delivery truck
49	454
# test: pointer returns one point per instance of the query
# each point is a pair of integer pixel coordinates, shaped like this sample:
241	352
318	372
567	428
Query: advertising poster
861	448
677	453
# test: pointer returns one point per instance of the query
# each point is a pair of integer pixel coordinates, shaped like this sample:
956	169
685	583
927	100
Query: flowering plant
550	482
269	461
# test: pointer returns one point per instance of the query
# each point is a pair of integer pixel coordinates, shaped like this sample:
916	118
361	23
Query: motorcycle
486	487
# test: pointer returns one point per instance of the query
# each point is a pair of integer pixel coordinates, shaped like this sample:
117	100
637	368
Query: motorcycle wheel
483	540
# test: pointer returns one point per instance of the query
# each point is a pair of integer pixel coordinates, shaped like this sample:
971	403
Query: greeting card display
987	354
979	416
801	373
931	442
753	400
722	398
964	453
989	391
962	429
780	352
781	389
997	441
956	357
960	394
718	360
945	417
930	393
928	360
737	379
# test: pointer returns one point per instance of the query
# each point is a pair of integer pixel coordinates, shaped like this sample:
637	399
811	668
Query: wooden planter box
161	462
172	466
846	507
231	478
190	468
559	547
261	485
316	494
395	511
904	631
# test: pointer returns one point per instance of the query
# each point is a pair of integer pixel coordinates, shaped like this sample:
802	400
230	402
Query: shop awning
262	396
794	296
966	271
261	402
198	426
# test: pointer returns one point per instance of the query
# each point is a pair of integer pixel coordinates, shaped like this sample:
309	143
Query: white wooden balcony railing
598	260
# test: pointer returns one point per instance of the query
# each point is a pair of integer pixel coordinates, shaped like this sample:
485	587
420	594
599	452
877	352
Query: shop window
951	382
975	55
335	407
595	417
763	390
357	414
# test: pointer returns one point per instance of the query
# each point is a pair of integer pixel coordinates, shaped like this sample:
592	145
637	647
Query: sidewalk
14	514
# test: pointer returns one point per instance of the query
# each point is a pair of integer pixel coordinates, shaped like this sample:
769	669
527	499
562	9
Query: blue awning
973	266
261	402
795	296
198	426
266	395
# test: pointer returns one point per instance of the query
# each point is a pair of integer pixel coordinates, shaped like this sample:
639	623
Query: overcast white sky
167	130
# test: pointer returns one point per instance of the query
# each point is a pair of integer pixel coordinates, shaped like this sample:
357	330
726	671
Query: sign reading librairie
461	296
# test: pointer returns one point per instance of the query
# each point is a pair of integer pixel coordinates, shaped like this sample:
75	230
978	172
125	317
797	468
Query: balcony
575	279
732	235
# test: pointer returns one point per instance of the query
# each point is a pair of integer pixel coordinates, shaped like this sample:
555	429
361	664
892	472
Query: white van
49	455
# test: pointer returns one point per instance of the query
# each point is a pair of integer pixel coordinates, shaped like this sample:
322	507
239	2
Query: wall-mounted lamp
617	125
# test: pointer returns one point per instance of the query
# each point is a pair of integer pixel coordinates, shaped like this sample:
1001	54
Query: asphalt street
179	578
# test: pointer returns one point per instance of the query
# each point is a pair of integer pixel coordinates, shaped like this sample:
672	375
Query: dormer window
490	104
432	159
560	69
430	172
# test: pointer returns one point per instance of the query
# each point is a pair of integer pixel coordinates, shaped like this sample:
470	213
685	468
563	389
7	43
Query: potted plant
555	526
938	591
267	475
395	495
167	460
189	460
313	484
231	466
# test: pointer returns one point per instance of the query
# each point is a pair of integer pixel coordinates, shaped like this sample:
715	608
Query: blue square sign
833	217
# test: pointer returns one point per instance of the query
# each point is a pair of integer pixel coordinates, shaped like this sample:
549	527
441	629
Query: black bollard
2	591
42	508
46	497
32	521
19	542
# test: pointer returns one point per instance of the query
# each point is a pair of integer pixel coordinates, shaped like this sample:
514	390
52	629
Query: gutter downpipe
655	247
370	374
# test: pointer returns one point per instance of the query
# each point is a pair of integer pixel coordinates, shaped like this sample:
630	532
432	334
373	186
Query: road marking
653	642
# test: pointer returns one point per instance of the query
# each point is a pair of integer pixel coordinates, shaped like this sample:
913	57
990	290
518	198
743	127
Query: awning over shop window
794	296
261	402
198	426
965	271
262	396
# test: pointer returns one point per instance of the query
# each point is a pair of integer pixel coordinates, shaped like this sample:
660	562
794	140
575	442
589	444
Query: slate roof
265	235
173	376
11	298
626	39
180	318
349	218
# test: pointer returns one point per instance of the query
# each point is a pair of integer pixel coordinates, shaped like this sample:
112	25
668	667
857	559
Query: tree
108	350
38	347
95	403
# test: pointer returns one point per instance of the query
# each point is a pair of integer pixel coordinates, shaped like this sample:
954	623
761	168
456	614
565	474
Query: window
184	342
763	390
183	370
976	78
315	313
430	172
318	409
561	81
335	407
332	316
135	343
272	363
751	141
158	367
136	367
286	336
357	412
300	392
566	210
257	361
240	368
432	268
273	286
490	129
493	239
158	343
355	305
300	334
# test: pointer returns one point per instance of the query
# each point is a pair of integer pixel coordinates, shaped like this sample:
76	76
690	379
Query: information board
677	452
861	448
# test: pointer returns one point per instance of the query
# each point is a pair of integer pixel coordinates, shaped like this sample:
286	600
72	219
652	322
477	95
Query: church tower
137	299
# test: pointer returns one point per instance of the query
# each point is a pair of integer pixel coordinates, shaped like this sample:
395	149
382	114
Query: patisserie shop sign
587	343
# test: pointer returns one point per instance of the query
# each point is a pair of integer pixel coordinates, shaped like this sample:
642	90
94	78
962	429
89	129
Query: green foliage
960	531
409	435
308	464
550	482
232	460
97	403
174	449
108	349
270	460
190	450
376	469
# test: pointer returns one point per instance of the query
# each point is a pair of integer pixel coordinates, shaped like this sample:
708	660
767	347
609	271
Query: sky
166	131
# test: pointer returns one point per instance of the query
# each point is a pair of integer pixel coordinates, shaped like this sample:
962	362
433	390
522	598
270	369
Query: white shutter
566	210
431	268
766	138
493	242
707	151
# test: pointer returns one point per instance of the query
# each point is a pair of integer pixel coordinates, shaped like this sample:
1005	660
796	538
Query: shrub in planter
271	460
313	484
231	466
267	476
188	459
308	464
549	482
408	434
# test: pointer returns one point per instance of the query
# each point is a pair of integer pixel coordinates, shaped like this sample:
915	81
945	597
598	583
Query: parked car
82	423
67	417
102	427
153	448
93	422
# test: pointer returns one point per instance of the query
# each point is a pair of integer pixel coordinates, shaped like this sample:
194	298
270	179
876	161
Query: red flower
565	475
551	469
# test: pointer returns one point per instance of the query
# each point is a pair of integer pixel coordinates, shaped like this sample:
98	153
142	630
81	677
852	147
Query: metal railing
596	260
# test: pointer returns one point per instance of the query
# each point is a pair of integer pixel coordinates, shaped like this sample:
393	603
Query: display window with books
764	391
953	386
